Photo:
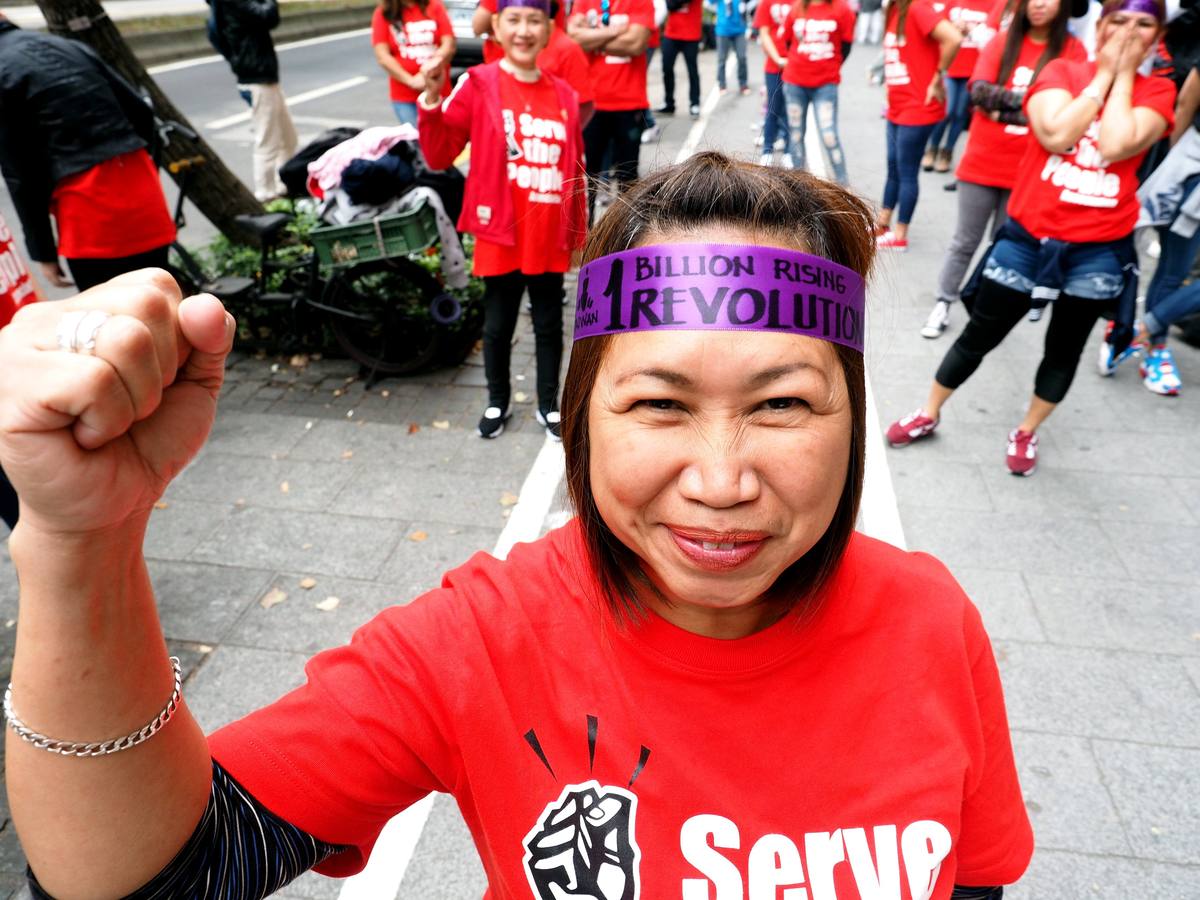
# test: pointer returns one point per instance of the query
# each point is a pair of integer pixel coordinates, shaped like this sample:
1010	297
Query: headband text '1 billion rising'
720	287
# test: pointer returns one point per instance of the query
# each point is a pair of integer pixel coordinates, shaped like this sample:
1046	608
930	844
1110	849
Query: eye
658	404
785	403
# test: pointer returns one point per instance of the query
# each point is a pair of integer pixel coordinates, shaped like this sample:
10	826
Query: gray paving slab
1055	875
1004	601
446	865
205	615
435	495
235	681
1146	553
291	484
178	526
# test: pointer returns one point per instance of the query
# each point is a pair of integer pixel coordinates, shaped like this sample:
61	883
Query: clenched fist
90	440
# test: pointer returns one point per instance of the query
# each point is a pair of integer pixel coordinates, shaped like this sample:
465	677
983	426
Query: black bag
294	172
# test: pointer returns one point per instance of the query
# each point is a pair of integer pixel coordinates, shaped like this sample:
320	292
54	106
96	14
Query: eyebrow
757	380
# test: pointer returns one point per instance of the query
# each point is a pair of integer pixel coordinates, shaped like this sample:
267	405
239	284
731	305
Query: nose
721	476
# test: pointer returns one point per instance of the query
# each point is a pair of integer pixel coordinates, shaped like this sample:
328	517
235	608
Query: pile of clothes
359	176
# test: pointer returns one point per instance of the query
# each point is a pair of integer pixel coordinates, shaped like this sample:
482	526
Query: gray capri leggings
977	203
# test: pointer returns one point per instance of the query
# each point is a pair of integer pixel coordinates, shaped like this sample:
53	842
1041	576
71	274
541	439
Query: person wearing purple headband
524	199
707	684
1068	241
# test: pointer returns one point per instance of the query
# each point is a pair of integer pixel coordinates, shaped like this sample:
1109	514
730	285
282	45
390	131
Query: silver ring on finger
76	332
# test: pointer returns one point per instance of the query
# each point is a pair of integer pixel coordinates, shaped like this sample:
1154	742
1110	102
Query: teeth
709	545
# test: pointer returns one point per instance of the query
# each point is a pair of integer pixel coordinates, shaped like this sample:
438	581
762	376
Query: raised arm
1186	105
90	441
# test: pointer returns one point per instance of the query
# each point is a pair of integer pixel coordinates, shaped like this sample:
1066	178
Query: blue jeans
737	43
958	103
905	145
823	99
406	113
1166	301
775	121
1094	273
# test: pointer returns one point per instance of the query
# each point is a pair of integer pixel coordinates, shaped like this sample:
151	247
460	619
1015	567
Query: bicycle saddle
265	227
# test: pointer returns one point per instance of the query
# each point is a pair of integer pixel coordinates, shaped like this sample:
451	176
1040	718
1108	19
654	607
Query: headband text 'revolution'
720	287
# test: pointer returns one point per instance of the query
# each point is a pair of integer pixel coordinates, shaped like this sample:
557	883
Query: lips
719	551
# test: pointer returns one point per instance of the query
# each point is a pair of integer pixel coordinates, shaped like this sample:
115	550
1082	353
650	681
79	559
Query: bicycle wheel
379	314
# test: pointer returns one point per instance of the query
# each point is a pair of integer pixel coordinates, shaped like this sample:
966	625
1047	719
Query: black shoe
665	111
552	422
950	186
492	423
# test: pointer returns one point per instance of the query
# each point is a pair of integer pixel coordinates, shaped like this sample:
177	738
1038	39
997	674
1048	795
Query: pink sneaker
911	428
1022	452
889	241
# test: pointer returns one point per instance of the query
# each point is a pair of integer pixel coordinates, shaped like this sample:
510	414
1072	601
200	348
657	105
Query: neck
1039	34
518	72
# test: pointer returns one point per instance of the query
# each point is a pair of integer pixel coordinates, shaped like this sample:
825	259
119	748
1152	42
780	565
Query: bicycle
387	312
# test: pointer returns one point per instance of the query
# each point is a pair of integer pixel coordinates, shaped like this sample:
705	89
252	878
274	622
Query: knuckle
126	337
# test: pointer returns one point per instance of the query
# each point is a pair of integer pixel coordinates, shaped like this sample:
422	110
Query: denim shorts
1094	273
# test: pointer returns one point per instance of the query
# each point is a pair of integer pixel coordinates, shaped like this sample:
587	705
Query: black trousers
88	273
8	501
615	135
502	306
691	53
996	312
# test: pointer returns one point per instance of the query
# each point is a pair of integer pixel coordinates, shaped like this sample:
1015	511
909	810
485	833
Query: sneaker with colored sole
1159	374
939	318
491	424
911	428
1109	359
552	422
890	241
1022	453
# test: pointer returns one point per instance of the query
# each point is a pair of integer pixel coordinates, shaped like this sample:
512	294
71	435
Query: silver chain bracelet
100	748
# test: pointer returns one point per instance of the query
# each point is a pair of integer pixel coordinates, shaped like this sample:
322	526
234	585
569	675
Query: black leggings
91	272
8	501
614	135
502	305
996	311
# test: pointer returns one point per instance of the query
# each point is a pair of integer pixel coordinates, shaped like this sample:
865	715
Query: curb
175	44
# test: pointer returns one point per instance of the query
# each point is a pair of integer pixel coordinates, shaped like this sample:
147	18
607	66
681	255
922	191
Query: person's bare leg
901	230
884	219
938	395
1039	410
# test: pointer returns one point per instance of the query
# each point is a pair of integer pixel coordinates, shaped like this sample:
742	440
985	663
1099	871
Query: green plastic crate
398	234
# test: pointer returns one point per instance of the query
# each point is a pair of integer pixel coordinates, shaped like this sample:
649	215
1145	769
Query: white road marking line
239	118
391	855
533	504
207	60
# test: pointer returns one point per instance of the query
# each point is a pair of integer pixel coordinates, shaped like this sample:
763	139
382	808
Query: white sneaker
786	161
651	134
939	318
766	159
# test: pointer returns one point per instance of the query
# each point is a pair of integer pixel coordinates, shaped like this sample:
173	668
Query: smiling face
719	459
523	33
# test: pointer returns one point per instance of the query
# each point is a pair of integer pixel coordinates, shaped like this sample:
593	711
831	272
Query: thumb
209	330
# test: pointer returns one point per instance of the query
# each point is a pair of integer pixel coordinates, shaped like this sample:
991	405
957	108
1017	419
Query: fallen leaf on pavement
347	454
284	487
521	397
508	498
441	424
418	536
329	604
308	583
413	427
308	426
161	504
306	546
385	394
299	361
337	392
273	597
204	648
239	502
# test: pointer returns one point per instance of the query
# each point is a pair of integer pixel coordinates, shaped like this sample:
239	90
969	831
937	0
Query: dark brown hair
1016	36
393	10
789	208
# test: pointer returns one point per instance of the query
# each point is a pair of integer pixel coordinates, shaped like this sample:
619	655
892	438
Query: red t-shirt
910	64
619	81
974	16
772	15
994	149
685	23
413	40
566	59
536	133
857	745
492	50
116	208
814	39
1080	196
17	286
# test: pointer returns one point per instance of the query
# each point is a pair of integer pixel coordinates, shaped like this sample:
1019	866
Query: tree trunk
215	190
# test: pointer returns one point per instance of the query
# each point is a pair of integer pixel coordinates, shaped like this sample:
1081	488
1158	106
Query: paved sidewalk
30	16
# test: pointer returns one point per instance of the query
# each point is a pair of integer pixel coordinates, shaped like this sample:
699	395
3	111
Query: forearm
91	665
1186	105
1121	134
1058	128
631	42
769	46
593	40
392	66
947	50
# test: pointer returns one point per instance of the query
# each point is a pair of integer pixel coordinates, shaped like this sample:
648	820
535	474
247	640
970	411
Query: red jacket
472	113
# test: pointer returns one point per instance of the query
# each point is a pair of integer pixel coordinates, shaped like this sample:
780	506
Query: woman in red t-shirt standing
525	196
407	35
1069	237
17	288
918	47
971	18
999	132
816	37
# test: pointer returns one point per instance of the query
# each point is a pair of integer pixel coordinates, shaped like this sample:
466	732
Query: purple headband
1140	6
720	287
543	5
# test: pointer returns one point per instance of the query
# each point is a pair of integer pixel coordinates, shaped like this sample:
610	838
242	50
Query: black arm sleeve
28	178
994	98
239	851
976	893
